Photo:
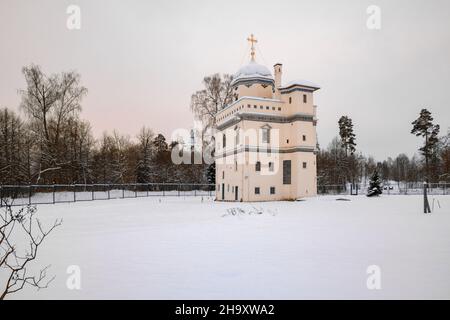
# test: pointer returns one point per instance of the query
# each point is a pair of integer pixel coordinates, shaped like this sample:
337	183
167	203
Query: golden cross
253	40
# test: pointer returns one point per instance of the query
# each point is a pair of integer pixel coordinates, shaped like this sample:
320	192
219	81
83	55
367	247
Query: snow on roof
299	82
252	70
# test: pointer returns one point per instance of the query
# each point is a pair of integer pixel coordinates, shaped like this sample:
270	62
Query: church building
266	137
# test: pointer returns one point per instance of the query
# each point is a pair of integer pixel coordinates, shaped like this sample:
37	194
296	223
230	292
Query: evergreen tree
423	126
211	173
347	135
374	185
161	159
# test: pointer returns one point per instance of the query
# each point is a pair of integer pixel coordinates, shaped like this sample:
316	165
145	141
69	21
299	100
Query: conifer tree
423	126
211	173
374	185
347	135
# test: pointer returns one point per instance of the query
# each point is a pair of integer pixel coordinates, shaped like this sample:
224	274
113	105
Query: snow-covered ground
186	248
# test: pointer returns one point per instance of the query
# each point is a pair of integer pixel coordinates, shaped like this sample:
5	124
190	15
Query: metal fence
19	195
388	189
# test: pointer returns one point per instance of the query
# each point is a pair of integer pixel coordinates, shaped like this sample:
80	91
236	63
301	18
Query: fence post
53	193
123	191
1	196
179	187
74	194
109	187
135	190
148	187
29	195
92	191
426	204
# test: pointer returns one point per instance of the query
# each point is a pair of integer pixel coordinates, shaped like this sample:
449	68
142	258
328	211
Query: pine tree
374	185
347	135
423	126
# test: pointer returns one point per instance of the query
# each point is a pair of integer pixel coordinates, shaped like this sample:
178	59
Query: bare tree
216	95
51	103
145	147
14	260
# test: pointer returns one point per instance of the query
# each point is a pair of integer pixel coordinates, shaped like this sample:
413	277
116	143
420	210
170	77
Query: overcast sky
141	60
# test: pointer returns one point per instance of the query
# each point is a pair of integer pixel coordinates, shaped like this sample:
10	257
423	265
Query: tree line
52	144
341	163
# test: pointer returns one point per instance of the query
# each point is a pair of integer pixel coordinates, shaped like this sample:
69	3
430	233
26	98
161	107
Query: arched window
236	136
265	133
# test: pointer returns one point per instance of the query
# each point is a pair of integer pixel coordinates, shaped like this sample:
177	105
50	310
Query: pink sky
141	60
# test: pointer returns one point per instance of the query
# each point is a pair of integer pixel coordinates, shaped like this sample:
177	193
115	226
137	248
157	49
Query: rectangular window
270	166
258	166
265	135
286	171
272	190
304	138
223	174
279	109
304	165
257	190
304	98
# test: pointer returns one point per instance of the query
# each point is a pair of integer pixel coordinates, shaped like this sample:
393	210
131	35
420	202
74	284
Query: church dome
251	72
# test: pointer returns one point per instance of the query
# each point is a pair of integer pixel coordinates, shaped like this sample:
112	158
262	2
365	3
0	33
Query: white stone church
266	138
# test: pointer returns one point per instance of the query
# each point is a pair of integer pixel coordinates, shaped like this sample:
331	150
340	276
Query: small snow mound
237	211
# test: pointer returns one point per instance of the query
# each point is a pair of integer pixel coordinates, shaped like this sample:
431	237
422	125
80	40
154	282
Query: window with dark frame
286	171
272	190
304	165
257	191
304	98
304	138
258	166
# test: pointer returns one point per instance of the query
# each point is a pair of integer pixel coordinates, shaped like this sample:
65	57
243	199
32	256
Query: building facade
266	138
